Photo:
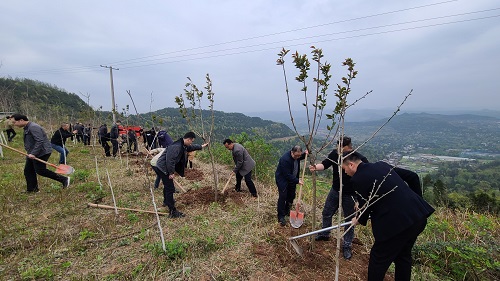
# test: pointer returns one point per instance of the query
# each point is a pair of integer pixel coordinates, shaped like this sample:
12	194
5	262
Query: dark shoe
347	252
282	221
237	189
175	214
67	182
254	195
33	191
322	238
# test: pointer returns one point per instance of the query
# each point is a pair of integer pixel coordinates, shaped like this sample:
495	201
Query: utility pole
113	109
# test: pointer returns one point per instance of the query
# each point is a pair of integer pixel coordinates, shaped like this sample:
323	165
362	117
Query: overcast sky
446	51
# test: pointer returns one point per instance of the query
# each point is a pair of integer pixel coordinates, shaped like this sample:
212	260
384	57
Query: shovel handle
319	230
180	186
26	154
300	189
228	180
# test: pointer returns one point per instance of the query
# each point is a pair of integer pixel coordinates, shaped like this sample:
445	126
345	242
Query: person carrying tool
398	215
332	200
37	145
287	178
173	160
243	165
58	141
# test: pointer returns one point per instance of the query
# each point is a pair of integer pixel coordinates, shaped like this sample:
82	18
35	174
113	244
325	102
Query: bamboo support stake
122	208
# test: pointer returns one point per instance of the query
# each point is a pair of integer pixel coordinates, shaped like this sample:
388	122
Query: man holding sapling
243	165
173	160
332	200
398	214
287	177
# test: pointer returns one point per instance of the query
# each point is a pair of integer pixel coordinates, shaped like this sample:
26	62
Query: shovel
61	169
297	217
296	246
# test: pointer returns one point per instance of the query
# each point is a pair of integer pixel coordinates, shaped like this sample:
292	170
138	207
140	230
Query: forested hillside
226	124
40	100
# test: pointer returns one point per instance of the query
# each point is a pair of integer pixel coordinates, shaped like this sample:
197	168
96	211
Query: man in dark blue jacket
171	161
398	215
287	178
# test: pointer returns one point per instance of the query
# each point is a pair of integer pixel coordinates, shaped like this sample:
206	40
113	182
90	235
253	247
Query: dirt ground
314	264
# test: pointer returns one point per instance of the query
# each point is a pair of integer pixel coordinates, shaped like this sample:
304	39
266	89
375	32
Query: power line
284	32
134	63
306	43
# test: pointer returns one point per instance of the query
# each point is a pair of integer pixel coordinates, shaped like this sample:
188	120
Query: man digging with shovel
37	145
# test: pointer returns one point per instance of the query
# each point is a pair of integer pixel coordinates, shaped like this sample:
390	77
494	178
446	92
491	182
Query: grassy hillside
54	235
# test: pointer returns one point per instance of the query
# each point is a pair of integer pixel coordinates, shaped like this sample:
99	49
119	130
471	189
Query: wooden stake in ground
121	208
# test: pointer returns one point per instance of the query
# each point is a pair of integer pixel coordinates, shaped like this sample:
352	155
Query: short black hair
190	135
346	141
18	117
351	157
228	141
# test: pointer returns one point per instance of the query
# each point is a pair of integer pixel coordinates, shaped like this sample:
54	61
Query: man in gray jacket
243	165
37	145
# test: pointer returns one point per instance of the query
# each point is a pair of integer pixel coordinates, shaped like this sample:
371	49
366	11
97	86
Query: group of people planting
389	196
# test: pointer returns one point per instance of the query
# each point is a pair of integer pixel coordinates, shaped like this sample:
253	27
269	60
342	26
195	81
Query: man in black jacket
103	139
58	141
398	214
37	145
171	161
113	136
332	200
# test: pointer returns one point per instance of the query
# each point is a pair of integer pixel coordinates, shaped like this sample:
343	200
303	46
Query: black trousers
11	133
397	249
115	146
168	191
285	200
248	181
32	168
105	145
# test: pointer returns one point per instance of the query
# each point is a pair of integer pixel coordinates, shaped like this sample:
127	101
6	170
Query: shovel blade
64	169
297	220
296	247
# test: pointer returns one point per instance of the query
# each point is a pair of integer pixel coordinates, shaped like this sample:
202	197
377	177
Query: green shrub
85	234
81	175
459	260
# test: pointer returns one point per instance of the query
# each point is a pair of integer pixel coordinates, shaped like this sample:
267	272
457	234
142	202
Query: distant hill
434	132
226	124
